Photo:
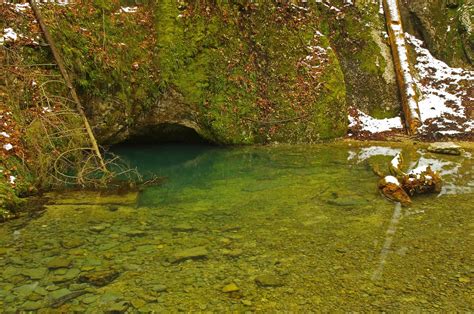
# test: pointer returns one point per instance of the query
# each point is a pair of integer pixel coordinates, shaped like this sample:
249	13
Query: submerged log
392	189
406	83
400	186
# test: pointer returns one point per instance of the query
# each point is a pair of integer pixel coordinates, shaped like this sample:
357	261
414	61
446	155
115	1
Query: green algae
307	218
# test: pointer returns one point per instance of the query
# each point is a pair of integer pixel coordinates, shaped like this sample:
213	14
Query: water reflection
456	171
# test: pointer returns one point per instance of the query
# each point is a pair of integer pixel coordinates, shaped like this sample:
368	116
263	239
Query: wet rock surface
99	278
196	253
268	281
439	23
448	148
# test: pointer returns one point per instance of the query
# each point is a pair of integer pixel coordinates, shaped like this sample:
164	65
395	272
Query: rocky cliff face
237	72
445	26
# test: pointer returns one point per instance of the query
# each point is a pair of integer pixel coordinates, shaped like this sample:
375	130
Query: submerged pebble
195	253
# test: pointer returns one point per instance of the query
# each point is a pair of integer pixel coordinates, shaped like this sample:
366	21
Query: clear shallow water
309	219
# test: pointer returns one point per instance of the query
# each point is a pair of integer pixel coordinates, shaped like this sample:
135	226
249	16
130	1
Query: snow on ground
361	122
446	94
445	101
8	142
9	35
128	9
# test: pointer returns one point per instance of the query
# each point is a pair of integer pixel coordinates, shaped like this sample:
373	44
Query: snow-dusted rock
448	148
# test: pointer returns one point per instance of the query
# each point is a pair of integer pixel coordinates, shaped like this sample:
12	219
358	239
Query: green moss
440	28
9	200
236	69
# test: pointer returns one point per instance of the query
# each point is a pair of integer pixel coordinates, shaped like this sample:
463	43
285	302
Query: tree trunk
406	83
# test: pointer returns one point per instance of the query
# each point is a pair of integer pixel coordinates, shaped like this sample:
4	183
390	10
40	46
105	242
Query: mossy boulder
237	73
358	34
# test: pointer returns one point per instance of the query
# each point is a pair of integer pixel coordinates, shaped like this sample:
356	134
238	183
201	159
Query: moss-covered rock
14	180
445	26
237	73
358	34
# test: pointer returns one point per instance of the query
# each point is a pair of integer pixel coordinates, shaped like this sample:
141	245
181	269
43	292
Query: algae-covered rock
448	148
232	287
445	27
99	278
268	280
196	253
9	201
240	72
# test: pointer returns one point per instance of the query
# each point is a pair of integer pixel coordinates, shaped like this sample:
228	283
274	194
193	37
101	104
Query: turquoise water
282	228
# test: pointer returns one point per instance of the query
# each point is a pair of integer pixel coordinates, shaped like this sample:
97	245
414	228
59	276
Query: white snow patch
7	146
391	179
46	110
12	179
9	35
20	7
381	11
397	161
128	9
4	134
372	125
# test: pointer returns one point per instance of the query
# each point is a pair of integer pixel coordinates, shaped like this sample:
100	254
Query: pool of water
281	228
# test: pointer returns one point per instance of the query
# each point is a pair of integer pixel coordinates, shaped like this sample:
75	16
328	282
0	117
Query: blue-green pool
278	228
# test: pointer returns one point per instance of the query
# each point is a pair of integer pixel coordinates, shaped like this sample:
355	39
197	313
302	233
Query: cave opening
167	133
164	146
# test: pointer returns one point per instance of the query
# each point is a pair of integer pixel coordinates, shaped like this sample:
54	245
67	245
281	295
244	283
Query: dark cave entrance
164	147
167	133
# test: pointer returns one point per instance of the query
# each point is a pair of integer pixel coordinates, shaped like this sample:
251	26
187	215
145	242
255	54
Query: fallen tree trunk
64	73
406	83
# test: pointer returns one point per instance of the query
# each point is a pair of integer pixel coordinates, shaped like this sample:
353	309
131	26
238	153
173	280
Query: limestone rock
98	228
136	233
448	148
233	253
184	227
59	262
58	294
195	253
159	288
35	273
68	275
268	280
232	287
32	305
437	26
99	278
72	243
